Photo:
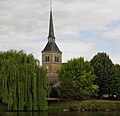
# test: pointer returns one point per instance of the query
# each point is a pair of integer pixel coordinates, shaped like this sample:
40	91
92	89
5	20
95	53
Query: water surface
59	113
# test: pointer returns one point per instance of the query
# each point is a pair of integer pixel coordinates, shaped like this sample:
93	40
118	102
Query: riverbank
81	106
86	105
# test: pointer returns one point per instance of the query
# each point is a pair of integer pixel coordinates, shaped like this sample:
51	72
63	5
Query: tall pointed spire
51	45
51	37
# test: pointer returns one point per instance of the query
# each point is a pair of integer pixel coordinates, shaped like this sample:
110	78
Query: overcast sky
82	27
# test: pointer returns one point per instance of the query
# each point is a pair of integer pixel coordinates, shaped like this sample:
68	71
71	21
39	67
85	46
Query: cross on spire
50	5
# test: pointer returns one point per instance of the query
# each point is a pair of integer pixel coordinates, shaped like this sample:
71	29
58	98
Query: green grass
71	106
85	105
88	105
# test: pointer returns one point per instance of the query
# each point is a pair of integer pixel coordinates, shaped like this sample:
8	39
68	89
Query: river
59	113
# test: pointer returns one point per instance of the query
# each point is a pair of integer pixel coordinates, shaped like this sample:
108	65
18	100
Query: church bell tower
51	55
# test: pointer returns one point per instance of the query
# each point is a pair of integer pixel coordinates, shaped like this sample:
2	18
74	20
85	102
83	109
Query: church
51	54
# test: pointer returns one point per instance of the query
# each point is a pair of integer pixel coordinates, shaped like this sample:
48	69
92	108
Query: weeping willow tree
22	81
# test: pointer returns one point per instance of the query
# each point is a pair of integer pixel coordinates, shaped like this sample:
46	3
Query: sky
82	27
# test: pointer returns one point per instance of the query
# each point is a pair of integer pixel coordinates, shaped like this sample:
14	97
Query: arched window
47	59
56	59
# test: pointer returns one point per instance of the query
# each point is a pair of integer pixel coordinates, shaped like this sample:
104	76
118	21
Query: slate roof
51	27
51	47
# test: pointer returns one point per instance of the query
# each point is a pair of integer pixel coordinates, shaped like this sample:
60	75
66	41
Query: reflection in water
84	114
23	114
59	113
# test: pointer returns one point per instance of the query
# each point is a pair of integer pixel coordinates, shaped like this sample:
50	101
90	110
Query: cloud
74	49
82	27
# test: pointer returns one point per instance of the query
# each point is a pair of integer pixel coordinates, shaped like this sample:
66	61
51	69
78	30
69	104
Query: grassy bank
88	105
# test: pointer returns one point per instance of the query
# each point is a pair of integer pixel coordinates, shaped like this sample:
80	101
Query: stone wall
52	66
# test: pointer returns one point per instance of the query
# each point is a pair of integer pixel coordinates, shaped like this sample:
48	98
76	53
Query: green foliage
100	106
72	107
104	70
116	81
3	107
88	105
22	81
76	79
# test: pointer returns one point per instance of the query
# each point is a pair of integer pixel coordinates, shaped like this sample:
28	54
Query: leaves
103	69
21	79
76	79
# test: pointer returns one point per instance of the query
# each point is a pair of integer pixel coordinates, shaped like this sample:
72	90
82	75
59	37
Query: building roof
51	47
51	27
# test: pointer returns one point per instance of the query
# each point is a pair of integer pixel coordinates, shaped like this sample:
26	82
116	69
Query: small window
47	59
56	59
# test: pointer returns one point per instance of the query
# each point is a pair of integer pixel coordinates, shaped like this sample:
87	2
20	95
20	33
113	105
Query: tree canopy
116	81
22	81
104	70
76	79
